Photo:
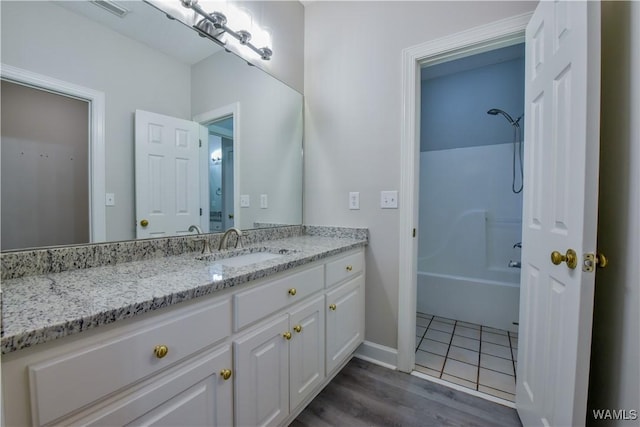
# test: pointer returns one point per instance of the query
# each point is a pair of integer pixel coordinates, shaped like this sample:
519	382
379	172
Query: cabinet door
192	394
306	349
345	321
262	375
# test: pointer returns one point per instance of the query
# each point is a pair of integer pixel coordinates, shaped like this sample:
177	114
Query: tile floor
470	355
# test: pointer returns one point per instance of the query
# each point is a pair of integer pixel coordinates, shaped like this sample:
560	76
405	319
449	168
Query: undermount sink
244	257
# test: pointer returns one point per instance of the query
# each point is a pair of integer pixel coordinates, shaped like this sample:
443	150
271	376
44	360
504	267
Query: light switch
354	200
245	201
389	199
264	201
110	199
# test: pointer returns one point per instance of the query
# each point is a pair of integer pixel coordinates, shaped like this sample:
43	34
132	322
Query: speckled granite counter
41	308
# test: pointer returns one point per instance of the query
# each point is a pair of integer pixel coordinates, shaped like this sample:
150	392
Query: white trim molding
476	40
378	354
97	165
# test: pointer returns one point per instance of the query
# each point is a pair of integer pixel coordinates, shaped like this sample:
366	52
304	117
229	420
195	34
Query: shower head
495	112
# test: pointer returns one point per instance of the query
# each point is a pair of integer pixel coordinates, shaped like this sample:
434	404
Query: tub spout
515	264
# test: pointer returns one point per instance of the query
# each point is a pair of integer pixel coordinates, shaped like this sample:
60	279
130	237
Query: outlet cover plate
245	201
354	200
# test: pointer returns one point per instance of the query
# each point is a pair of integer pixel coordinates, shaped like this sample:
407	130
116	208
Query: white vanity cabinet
246	356
279	362
151	368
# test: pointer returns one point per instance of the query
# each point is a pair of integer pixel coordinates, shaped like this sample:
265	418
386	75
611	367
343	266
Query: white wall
353	107
47	39
615	353
269	129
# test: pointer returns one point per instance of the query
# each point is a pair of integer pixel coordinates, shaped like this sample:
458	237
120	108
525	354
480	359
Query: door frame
476	40
204	119
97	166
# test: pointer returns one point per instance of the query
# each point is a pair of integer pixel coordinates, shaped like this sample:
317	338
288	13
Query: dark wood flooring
364	394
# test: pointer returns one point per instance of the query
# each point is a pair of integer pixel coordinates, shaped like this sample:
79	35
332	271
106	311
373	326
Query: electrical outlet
110	199
264	201
354	200
389	199
245	201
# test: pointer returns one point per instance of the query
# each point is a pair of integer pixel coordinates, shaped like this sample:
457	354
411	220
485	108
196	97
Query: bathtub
466	277
485	302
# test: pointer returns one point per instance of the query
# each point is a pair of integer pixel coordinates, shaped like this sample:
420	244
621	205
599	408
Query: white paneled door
167	175
560	212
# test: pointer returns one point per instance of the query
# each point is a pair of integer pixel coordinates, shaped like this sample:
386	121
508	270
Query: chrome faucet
225	238
518	245
206	246
515	264
195	228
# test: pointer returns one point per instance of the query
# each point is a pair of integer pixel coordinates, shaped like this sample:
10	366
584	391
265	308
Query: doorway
45	176
221	215
470	220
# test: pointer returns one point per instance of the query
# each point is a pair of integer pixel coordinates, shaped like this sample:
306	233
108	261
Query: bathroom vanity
248	345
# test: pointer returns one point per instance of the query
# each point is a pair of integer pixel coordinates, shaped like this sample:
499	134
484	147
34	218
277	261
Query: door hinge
200	143
414	232
200	211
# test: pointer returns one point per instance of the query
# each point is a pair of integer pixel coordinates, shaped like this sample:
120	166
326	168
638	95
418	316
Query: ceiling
149	26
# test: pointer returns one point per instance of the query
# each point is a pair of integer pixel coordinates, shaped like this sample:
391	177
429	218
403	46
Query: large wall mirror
249	123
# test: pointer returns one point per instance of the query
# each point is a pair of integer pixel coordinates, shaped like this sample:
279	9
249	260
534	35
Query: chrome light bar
215	25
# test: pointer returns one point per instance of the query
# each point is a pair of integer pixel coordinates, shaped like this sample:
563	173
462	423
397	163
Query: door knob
592	260
571	258
144	223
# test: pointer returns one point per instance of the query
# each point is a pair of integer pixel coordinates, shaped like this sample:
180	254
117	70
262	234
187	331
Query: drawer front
193	393
254	304
344	268
66	383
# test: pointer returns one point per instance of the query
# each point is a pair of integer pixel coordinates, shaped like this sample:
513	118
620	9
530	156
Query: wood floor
364	394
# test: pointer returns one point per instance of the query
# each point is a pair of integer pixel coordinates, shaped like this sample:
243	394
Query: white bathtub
487	302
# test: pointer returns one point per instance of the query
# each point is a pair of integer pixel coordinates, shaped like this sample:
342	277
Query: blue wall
454	106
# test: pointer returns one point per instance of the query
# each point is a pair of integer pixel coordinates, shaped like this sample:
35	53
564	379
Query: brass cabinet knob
601	260
349	267
225	374
160	351
297	328
333	307
287	335
571	258
144	223
292	291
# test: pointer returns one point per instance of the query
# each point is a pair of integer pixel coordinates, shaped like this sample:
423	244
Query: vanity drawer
256	303
344	267
69	382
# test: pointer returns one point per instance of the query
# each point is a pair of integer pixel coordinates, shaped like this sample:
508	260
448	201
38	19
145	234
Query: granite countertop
37	309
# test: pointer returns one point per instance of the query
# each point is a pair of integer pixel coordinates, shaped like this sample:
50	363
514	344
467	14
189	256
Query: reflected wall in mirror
188	79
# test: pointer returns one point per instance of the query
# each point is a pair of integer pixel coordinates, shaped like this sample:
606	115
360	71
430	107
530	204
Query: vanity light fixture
215	26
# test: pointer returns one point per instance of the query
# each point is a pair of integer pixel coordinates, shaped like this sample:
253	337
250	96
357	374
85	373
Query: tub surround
131	278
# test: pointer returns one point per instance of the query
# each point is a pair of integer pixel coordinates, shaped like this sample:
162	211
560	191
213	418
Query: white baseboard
379	354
